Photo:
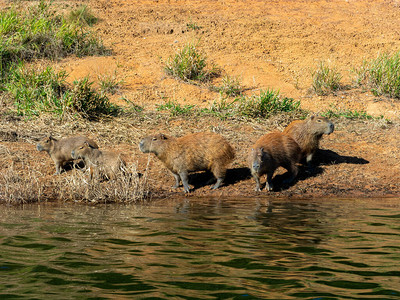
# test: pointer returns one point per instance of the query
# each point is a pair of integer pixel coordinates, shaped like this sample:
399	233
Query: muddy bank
359	159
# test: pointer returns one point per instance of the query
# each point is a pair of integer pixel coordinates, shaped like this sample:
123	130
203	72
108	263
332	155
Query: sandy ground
266	44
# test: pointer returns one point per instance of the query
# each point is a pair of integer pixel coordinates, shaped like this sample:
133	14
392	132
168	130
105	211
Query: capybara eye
319	120
154	139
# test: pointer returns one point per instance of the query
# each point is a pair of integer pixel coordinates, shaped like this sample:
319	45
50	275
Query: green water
202	249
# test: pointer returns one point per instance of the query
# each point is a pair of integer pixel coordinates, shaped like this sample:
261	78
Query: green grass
265	104
189	65
176	109
347	114
325	80
82	16
109	84
230	87
37	31
381	75
46	91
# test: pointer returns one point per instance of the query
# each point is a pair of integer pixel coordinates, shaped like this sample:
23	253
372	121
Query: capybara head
154	143
320	125
256	157
45	144
82	151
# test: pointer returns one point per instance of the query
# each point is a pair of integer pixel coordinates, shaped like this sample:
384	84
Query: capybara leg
218	183
58	168
177	180
268	183
219	173
185	181
293	173
257	179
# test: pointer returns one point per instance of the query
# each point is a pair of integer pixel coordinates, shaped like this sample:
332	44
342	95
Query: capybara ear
50	137
163	136
312	117
262	149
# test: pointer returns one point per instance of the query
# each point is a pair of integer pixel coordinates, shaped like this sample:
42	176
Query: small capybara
60	150
102	164
271	151
308	133
193	152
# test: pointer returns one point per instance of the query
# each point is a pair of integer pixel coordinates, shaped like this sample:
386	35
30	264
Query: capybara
60	150
308	133
271	151
102	164
193	152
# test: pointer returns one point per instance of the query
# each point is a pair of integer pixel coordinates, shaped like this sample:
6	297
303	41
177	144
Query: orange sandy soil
267	44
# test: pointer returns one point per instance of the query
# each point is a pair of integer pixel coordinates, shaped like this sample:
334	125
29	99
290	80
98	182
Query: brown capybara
308	133
102	164
60	150
271	151
193	152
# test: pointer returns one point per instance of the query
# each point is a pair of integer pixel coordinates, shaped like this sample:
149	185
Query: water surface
202	249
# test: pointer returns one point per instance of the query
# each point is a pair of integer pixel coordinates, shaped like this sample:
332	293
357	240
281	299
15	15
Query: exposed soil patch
267	44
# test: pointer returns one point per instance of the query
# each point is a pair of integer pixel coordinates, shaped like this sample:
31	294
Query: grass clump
82	16
84	100
176	109
325	80
37	31
231	86
46	91
189	65
269	102
381	75
109	83
347	114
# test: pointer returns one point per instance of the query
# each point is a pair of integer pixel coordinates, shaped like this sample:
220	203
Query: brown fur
308	133
193	152
101	163
270	152
60	150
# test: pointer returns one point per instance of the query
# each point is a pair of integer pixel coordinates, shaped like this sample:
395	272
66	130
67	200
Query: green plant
325	80
381	75
188	64
176	109
109	83
346	113
82	16
267	103
36	91
230	86
85	101
193	26
37	31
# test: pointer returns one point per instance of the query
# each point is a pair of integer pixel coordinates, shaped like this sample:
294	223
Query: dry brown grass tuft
18	187
127	187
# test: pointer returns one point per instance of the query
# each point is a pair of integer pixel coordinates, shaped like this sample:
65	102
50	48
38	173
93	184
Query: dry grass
127	187
18	187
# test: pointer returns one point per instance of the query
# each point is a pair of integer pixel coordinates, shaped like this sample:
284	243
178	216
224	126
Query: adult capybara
308	133
102	164
193	152
271	151
60	150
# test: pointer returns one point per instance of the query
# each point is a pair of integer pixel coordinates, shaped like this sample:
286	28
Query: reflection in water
206	248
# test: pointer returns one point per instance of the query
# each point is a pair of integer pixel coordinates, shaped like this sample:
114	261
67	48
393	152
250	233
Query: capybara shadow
234	175
329	157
